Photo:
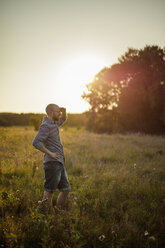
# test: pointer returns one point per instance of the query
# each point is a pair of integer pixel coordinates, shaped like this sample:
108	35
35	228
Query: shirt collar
49	120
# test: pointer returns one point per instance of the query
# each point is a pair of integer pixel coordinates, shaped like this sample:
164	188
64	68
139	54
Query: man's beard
55	118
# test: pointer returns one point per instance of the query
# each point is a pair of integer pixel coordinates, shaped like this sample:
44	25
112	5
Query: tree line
35	120
129	95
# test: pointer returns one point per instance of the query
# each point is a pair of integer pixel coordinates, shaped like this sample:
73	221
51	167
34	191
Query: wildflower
146	233
152	238
40	202
102	237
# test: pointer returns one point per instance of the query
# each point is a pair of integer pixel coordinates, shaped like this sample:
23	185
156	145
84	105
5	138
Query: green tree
141	104
130	93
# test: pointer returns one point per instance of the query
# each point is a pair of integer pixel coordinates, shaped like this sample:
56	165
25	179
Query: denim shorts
55	177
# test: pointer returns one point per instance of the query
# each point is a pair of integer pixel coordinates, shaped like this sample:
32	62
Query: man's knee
65	192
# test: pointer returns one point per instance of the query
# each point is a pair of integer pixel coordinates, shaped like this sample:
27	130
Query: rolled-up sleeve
41	136
61	121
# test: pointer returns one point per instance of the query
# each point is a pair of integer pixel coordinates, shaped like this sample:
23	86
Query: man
48	141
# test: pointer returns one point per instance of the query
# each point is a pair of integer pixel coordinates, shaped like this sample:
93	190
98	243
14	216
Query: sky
51	49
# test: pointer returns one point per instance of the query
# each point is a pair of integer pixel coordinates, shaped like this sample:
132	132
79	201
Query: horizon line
6	112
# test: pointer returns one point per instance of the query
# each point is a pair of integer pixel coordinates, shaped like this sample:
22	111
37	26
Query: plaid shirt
48	136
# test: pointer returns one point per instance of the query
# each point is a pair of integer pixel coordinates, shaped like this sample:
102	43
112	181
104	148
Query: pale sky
50	49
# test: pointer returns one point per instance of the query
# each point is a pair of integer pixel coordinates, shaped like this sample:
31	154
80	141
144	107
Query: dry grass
118	184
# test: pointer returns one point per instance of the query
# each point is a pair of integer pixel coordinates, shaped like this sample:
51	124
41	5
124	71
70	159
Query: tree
103	97
133	91
141	104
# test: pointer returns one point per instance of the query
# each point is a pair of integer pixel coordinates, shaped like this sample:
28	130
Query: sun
76	73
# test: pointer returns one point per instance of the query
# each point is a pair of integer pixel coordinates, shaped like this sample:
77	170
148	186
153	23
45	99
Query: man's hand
63	111
54	155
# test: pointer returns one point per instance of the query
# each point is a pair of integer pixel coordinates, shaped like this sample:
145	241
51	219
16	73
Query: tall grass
117	197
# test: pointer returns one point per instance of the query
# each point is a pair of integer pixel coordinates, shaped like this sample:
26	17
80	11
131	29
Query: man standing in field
48	141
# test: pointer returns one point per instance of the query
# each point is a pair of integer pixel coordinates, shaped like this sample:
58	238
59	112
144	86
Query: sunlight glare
75	75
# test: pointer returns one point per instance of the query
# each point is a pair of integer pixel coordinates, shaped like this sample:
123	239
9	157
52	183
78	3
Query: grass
117	197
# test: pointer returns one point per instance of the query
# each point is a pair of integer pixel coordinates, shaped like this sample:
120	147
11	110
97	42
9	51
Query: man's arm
54	155
63	111
39	140
63	116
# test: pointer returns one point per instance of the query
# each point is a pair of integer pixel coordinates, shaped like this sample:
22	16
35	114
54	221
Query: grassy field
117	198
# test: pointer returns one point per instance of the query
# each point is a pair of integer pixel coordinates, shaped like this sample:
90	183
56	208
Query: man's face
56	113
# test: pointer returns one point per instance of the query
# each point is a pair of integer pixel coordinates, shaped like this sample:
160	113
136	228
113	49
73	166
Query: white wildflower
102	237
146	233
152	238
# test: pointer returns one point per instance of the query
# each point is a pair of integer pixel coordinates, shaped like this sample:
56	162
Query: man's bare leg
48	200
61	199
